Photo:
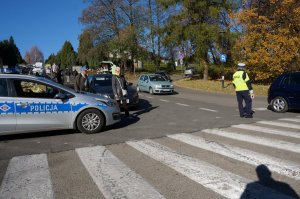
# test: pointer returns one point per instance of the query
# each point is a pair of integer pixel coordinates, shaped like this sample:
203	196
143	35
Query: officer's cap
83	68
241	65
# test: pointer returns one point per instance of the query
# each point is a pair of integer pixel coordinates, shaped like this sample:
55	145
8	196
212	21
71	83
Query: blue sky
46	24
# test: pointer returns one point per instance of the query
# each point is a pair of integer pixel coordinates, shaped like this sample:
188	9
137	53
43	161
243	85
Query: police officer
244	91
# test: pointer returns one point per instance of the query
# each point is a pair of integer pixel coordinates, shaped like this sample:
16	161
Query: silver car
33	104
154	83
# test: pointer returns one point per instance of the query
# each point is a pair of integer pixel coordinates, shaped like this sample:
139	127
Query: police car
31	104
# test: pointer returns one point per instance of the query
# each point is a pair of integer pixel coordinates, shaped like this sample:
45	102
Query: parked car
164	74
154	83
101	84
284	92
34	104
189	71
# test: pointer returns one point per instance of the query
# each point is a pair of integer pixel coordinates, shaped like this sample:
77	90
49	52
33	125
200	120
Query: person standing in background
119	86
244	91
81	83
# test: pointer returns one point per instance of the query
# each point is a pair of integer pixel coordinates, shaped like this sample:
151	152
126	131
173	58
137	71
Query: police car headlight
157	86
171	86
107	102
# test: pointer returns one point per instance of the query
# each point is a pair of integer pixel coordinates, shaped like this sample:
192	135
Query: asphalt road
186	111
70	155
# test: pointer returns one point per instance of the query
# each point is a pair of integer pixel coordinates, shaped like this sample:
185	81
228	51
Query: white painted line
163	100
206	109
283	167
149	97
27	177
267	130
260	109
113	178
218	180
282	124
290	119
279	144
182	104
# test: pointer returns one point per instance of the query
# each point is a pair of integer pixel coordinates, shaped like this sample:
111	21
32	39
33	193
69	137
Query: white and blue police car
34	104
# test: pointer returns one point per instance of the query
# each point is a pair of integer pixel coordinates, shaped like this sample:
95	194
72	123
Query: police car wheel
90	121
279	105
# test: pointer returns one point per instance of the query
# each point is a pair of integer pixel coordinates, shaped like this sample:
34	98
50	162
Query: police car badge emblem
4	108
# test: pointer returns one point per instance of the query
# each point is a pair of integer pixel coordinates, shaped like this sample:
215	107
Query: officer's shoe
248	116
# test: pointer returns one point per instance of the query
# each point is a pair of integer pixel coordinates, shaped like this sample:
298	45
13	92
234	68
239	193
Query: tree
107	21
271	37
66	57
196	26
9	53
34	55
51	59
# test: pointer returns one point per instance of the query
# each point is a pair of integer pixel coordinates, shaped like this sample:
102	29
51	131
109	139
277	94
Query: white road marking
182	104
163	100
267	130
287	168
149	97
113	177
27	177
260	109
279	144
290	119
218	180
206	109
282	124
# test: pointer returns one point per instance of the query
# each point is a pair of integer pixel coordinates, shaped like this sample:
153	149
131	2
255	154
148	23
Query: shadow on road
264	178
144	107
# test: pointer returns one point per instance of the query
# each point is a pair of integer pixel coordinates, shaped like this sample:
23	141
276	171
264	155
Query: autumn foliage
271	38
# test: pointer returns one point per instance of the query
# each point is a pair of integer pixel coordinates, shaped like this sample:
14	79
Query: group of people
241	83
119	86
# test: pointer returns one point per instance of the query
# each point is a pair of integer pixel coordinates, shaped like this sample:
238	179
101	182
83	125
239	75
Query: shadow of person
266	187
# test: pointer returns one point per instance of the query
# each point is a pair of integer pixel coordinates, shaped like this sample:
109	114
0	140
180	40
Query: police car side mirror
61	96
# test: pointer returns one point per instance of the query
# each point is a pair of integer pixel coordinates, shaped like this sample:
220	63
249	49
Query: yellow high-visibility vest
239	82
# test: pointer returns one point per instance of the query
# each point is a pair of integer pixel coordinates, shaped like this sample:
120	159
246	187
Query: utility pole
222	59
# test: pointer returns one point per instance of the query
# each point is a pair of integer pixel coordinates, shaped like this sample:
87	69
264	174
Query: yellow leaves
271	42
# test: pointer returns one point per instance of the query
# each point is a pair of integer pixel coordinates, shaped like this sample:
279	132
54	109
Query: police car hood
89	96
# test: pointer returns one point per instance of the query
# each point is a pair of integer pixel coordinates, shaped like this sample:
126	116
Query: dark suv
284	92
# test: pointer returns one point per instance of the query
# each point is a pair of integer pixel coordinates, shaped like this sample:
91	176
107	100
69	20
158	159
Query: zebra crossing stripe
225	183
290	119
282	124
267	130
113	178
27	177
287	168
279	144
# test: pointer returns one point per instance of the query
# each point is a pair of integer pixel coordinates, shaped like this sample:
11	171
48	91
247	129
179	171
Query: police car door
37	109
7	109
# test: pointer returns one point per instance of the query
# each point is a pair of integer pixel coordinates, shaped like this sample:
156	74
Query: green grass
216	86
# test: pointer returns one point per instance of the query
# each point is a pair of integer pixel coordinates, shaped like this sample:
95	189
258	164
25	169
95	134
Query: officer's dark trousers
241	97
